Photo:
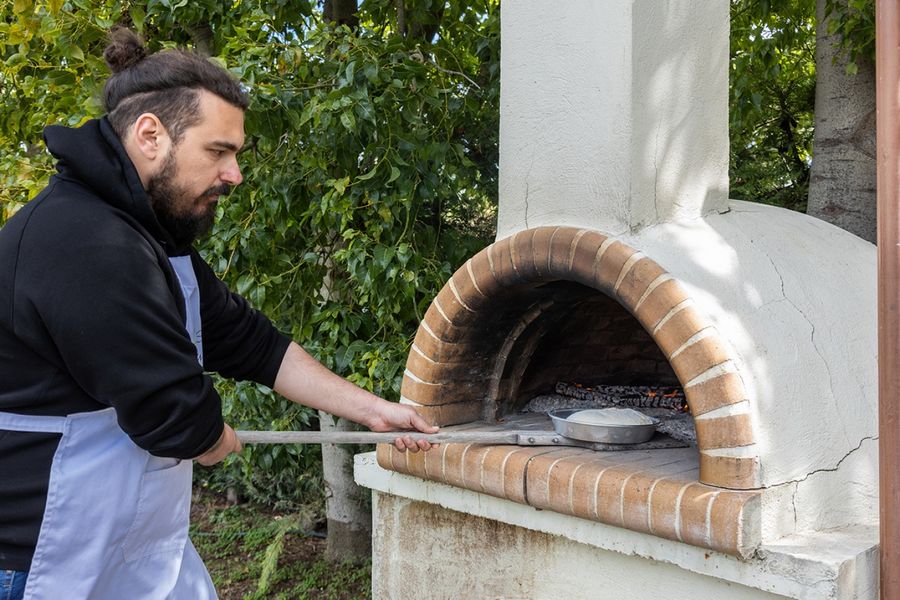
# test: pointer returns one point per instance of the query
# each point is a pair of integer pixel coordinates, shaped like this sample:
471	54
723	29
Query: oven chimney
625	128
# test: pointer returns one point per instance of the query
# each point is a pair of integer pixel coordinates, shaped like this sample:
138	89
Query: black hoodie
92	316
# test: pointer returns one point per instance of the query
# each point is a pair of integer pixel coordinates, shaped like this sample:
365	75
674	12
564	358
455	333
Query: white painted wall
613	114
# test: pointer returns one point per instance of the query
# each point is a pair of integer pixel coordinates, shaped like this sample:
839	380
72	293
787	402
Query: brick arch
460	348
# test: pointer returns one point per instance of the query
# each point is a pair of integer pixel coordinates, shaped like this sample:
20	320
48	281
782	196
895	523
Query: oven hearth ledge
832	564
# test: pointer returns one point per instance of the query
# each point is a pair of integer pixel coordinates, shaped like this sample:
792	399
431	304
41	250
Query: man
108	320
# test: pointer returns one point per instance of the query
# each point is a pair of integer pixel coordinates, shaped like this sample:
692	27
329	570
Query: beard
174	208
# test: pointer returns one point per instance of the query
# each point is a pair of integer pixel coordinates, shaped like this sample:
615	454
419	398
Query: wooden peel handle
372	437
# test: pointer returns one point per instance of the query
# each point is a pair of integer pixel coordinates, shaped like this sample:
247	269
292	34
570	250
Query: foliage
854	21
237	545
370	170
772	100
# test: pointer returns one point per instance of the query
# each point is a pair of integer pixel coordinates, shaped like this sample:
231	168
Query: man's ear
149	137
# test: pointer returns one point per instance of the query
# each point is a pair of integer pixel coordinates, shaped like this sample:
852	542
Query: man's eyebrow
225	144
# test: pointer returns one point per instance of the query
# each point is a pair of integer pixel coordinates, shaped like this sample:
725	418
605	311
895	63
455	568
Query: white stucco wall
795	298
612	114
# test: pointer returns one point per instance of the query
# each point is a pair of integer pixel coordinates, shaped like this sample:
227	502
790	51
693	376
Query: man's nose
232	174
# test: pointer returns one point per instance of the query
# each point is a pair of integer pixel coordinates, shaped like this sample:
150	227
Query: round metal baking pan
606	434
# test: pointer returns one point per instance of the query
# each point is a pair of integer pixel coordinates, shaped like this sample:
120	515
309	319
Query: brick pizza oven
620	259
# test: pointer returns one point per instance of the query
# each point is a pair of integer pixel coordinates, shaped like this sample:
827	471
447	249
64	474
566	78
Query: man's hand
227	443
302	379
391	416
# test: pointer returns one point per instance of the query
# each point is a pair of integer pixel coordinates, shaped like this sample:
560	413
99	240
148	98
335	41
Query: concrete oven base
439	541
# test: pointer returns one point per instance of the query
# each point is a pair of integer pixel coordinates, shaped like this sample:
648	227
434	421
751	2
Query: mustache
223	189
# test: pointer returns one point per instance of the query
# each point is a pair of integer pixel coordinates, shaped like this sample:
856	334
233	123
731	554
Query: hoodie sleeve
106	302
238	341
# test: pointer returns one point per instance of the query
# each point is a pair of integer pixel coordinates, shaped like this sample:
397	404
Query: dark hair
166	83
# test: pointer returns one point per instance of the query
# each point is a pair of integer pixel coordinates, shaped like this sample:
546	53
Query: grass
255	553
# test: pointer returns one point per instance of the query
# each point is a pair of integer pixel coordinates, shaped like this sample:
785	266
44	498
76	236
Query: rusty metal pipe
887	28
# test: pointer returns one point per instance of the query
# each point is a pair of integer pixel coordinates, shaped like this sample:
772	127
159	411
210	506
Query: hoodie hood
93	155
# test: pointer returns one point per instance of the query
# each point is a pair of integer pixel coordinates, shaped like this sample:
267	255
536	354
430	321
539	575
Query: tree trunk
347	508
342	12
346	504
842	176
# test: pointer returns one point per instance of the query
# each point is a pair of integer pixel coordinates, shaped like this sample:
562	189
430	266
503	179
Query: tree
370	173
772	97
842	185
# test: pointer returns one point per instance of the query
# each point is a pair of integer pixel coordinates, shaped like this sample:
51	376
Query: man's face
198	170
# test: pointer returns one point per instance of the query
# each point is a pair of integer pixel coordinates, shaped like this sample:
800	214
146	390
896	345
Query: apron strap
32	423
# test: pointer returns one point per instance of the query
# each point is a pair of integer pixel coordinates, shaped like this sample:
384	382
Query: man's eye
218	153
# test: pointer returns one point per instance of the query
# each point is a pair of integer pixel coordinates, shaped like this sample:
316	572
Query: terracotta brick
453	456
609	496
724	432
714	393
515	474
636	507
540	247
537	475
459	314
451	414
583	255
522	254
731	532
663	499
434	464
636	282
679	329
432	394
493	467
560	245
439	350
729	472
443	329
415	463
699	357
384	456
465	287
461	412
559	481
443	372
659	302
606	272
501	263
473	467
692	511
484	279
584	488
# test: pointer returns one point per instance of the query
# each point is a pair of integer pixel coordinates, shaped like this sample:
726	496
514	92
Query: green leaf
138	16
348	121
395	173
368	175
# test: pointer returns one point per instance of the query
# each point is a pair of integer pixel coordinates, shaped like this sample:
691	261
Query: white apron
116	521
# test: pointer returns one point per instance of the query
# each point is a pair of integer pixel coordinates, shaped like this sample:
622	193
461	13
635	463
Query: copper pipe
887	95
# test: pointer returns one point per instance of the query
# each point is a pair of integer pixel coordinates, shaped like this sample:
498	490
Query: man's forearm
304	380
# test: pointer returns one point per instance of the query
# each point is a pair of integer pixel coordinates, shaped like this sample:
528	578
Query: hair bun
125	49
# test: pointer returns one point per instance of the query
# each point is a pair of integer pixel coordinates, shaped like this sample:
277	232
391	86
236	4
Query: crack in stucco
526	203
795	483
527	188
812	327
833	469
